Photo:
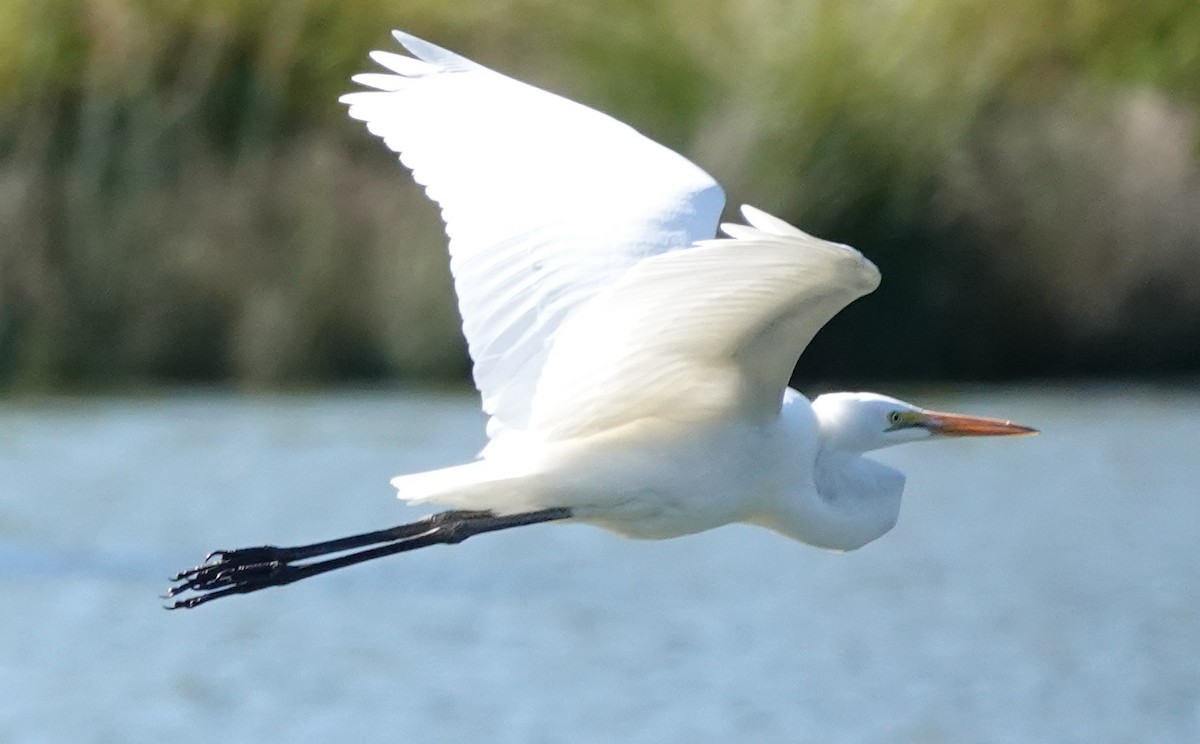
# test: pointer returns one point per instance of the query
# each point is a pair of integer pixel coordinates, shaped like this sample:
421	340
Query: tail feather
479	485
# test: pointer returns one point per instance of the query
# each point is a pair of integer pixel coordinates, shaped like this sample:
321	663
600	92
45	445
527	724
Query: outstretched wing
699	334
546	203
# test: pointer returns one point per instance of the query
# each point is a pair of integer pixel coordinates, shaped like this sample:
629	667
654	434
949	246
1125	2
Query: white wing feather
546	203
699	334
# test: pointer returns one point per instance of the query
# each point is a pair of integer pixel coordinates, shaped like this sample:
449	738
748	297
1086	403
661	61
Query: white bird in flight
634	365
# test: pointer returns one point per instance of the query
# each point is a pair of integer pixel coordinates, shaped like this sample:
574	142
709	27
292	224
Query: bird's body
633	363
661	477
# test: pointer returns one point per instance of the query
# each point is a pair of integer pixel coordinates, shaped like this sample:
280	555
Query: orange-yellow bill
959	425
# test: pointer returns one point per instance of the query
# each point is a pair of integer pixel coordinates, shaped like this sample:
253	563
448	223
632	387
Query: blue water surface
1040	589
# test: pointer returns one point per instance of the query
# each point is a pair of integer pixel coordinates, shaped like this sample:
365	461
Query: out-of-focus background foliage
182	198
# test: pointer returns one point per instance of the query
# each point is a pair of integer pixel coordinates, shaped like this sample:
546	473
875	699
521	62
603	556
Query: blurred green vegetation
182	198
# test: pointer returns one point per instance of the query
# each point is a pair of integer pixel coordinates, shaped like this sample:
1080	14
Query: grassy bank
181	197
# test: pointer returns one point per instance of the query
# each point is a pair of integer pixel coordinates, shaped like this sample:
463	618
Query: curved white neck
850	499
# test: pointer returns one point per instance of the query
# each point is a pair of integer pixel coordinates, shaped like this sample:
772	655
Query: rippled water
1035	590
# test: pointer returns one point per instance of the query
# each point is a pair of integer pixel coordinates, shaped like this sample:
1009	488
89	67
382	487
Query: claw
183	604
224	572
196	570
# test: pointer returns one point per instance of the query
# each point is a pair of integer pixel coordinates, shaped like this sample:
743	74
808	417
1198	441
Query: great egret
635	367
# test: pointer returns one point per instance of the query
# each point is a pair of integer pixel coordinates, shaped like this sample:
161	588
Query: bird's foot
226	572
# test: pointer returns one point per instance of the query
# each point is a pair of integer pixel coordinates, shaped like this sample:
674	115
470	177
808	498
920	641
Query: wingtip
868	272
406	39
432	53
872	276
769	223
738	231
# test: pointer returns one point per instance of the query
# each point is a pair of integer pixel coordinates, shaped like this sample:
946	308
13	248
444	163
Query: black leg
268	553
251	569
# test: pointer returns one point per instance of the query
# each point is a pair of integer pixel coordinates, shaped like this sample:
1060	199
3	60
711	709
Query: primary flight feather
546	202
634	365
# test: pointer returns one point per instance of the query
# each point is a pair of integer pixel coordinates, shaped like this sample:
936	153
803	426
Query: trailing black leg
226	572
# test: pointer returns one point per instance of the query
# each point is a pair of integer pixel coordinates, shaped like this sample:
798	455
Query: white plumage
546	202
634	366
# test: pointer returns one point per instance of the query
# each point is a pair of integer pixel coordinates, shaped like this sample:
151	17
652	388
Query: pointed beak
957	425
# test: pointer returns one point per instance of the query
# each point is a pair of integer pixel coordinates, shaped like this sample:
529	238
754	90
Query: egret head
863	422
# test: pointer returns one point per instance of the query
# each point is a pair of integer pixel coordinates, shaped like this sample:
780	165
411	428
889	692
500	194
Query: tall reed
181	198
